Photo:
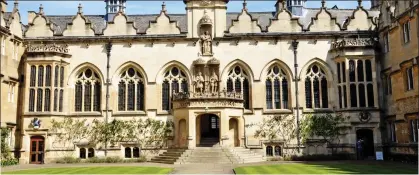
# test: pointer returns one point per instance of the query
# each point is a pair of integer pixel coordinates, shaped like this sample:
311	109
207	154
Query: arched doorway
233	131
182	133
209	130
365	138
37	147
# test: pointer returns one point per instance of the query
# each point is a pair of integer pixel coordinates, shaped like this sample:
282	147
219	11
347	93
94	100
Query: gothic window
238	81
131	91
56	76
48	76
316	88
278	151
174	81
87	90
136	152
82	153
31	100
269	151
33	76
62	77
128	152
91	153
277	88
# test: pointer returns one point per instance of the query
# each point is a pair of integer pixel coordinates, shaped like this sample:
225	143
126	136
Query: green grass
95	170
328	168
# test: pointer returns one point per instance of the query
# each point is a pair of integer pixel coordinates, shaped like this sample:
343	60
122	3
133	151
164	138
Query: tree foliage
144	132
5	150
327	127
277	126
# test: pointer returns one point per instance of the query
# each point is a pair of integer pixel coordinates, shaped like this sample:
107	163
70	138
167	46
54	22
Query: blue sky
62	7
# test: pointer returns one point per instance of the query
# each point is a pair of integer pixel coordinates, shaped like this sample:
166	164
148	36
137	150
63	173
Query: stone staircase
168	157
209	151
245	155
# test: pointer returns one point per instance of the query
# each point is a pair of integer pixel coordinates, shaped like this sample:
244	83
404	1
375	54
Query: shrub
320	157
275	158
113	159
68	159
9	161
135	160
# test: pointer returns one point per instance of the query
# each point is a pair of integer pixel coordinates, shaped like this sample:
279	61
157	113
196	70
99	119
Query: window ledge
277	111
248	111
129	113
163	113
320	110
358	109
30	114
86	114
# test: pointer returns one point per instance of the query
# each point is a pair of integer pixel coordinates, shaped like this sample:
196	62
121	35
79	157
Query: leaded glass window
278	87
56	100
238	81
131	90
316	88
39	100
31	100
40	76
48	76
33	76
88	91
174	81
47	102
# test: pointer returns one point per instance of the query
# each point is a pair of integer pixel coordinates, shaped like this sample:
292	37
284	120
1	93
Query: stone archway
208	130
182	133
365	137
234	132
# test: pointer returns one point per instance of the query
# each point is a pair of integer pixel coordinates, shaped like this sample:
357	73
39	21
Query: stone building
209	71
400	77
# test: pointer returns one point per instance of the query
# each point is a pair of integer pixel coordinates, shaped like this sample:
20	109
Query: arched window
91	153
82	153
174	79
87	90
131	91
316	88
238	81
275	89
278	151
269	151
56	76
128	152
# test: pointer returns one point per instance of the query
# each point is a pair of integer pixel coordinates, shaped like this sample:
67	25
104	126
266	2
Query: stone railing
47	48
357	42
194	100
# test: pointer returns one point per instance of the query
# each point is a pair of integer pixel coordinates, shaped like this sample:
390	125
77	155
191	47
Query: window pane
41	76
339	78
127	152
62	77
91	153
131	96
278	151
39	100
285	93
316	91
61	100
351	71
48	76
345	102
353	96
361	92
140	96
229	85
360	68
97	97
82	153
268	86
175	86
56	100
325	99
269	151
136	152
238	85
47	104
33	75
340	96
184	86
308	93
121	96
343	72
88	97
165	95
78	96
277	94
31	100
368	70
370	95
246	94
56	76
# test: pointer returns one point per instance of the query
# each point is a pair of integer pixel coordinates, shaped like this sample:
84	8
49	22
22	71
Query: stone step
162	161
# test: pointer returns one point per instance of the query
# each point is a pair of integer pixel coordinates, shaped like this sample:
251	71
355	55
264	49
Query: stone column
191	130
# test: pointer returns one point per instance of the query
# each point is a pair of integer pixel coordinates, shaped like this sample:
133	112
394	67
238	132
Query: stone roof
142	21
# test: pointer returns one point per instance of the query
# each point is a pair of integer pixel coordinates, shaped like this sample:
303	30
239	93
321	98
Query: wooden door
37	150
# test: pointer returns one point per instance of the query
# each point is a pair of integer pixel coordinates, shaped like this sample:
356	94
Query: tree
328	127
277	126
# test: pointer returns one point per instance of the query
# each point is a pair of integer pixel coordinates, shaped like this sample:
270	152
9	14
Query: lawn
95	170
328	168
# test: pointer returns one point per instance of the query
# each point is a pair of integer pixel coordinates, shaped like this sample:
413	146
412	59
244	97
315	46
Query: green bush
9	161
113	160
68	159
135	160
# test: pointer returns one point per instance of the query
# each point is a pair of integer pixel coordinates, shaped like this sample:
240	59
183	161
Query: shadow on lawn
365	167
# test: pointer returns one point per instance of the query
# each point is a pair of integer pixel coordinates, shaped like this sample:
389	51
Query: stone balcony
198	100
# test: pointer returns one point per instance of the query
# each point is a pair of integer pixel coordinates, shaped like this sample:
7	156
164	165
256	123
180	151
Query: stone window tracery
238	81
131	91
276	85
316	88
87	91
174	80
41	90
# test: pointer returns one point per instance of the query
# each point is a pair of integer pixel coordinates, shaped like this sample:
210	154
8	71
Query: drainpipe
108	57
295	46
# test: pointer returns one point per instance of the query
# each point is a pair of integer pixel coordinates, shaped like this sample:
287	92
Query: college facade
209	71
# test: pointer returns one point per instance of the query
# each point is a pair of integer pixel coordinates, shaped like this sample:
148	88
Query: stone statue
199	82
214	82
206	42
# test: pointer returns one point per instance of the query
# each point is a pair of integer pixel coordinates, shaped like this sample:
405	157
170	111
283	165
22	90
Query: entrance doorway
367	144
210	126
37	150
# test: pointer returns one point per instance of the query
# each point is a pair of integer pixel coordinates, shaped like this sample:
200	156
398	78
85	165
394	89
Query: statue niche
205	34
206	79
